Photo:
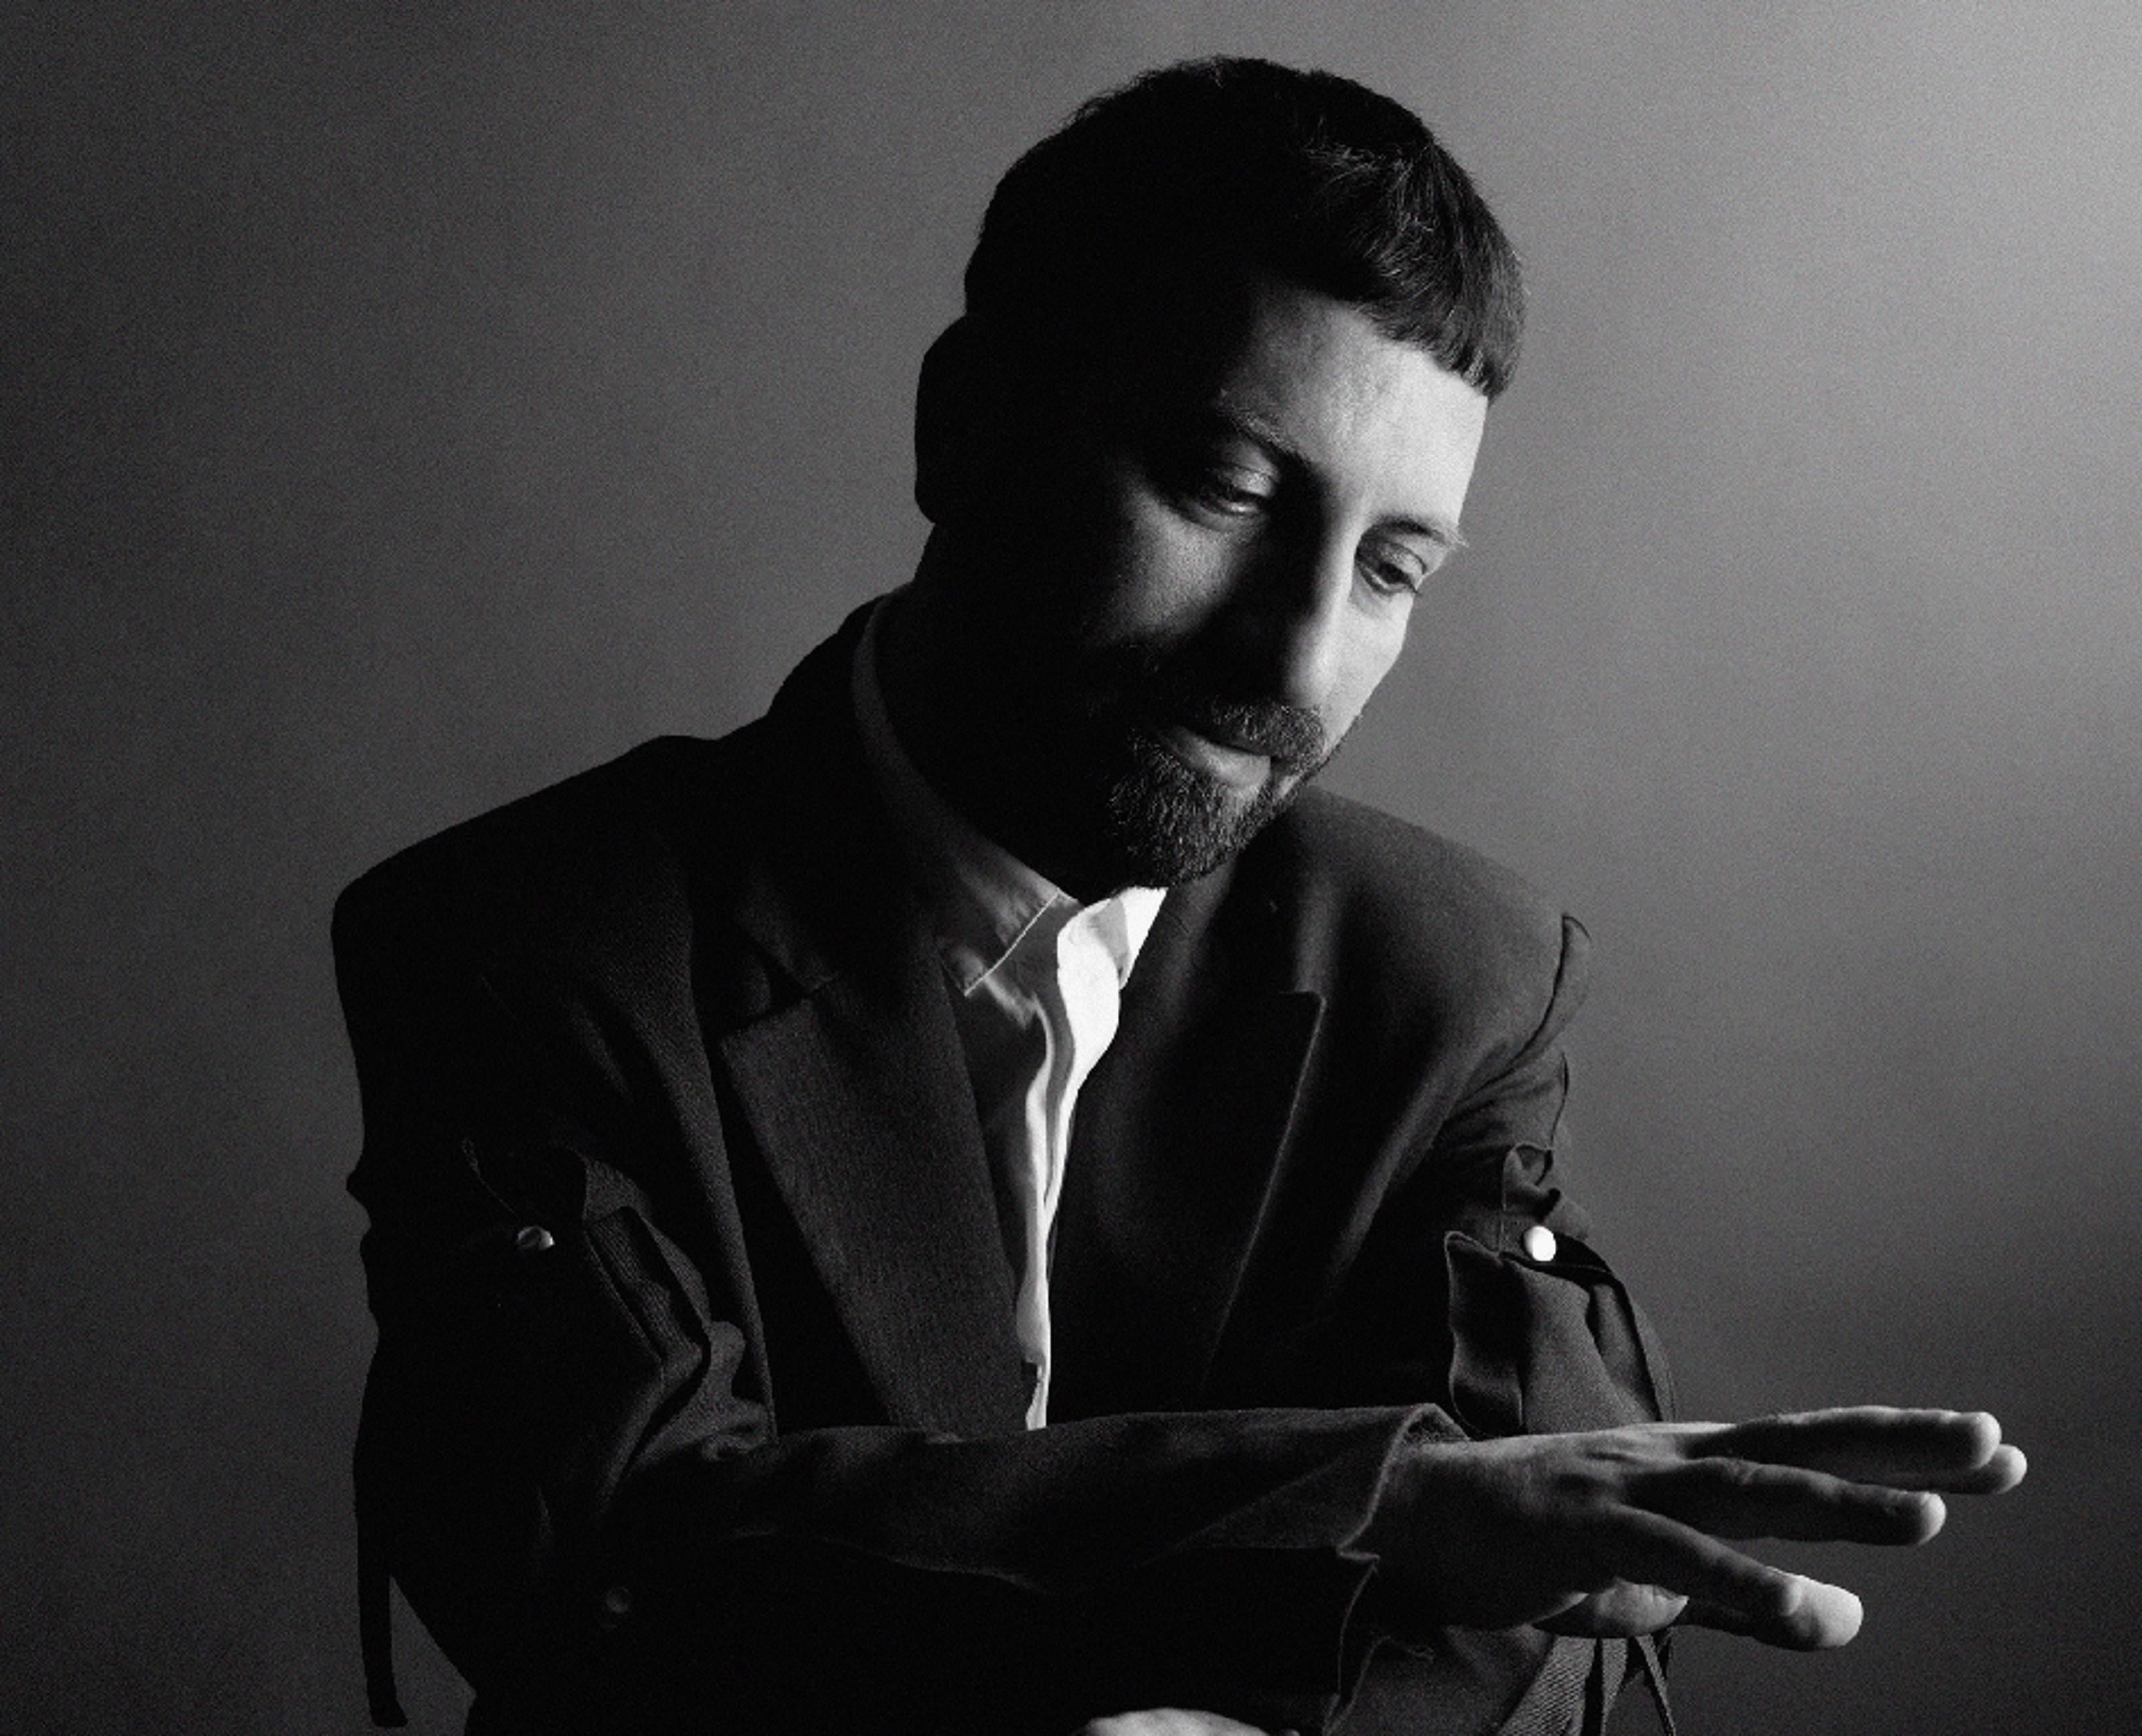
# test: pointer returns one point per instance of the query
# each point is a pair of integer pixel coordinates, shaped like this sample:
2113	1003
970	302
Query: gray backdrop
406	405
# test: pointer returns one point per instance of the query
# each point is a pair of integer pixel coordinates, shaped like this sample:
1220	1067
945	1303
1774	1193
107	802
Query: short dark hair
1122	227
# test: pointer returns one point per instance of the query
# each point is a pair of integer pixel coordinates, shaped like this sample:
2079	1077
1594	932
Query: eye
1399	569
1230	489
1217	483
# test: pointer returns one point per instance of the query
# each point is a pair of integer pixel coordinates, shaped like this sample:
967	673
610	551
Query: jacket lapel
1176	1159
855	1090
859	1102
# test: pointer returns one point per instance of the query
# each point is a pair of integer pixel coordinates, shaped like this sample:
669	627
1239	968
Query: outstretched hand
1620	1531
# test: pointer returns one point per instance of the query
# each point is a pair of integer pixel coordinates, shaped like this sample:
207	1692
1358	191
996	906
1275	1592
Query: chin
1166	823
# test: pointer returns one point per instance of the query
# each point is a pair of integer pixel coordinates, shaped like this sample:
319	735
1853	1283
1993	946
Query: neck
957	717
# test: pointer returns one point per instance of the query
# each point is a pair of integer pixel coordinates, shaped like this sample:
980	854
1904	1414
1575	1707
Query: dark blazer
696	1404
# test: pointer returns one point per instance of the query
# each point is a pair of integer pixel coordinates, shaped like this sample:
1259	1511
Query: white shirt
1037	985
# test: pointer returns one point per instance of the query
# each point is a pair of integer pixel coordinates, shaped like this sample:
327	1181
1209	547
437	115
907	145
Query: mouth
1226	761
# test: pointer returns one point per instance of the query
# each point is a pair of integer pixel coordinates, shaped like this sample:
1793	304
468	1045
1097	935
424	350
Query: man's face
1209	584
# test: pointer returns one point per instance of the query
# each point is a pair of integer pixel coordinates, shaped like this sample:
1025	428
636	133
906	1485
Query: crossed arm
523	1401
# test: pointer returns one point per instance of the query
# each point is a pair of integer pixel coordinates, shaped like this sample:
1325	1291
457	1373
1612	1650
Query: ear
961	406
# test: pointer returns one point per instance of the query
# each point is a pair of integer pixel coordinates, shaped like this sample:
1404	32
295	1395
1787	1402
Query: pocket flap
1547	1347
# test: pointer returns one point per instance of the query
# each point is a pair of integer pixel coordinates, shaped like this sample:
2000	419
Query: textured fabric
698	1402
1036	981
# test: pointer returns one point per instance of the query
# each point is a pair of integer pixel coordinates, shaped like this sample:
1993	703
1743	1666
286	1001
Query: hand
1617	1532
1171	1721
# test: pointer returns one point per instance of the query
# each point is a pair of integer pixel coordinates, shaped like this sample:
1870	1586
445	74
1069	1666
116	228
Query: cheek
1371	659
1170	578
1142	570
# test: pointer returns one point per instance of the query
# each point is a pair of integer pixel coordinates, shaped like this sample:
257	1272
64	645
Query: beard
1055	742
1162	821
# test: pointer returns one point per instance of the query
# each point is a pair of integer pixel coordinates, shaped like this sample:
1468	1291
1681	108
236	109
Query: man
978	1203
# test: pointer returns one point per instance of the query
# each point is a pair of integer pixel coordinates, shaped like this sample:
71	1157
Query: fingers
1607	1531
1999	1474
1954	1451
1736	1497
1622	1611
1840	1623
1870	1475
1734	1590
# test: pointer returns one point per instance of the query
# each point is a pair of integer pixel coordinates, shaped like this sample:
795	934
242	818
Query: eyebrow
1441	532
1250	426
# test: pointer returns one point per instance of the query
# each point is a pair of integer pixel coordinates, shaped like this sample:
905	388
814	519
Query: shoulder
605	849
1364	880
1405	925
617	855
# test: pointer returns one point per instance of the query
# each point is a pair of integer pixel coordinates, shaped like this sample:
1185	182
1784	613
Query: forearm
1201	1560
561	1427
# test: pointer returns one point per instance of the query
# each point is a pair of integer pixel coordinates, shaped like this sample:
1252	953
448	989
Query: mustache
1292	736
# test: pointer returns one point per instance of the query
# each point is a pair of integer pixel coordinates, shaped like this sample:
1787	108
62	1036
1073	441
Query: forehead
1316	381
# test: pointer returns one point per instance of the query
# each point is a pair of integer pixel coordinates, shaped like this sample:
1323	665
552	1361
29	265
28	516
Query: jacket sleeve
565	1462
1478	1288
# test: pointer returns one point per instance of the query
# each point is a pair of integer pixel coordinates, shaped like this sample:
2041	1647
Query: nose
1297	613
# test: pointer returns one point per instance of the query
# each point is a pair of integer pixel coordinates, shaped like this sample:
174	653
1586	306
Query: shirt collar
989	905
